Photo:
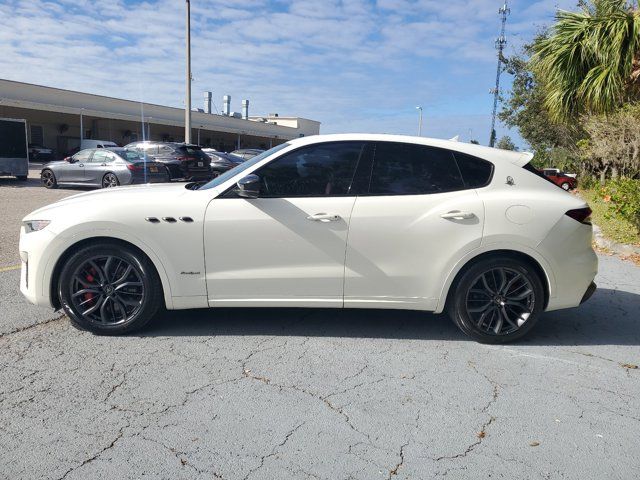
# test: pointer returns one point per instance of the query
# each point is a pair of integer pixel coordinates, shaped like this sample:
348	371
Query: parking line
8	269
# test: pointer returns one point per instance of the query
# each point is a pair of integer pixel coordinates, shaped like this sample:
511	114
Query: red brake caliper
90	277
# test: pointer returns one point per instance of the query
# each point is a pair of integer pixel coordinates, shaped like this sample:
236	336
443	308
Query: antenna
501	42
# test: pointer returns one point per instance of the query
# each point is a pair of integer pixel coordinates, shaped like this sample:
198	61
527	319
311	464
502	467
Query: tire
49	179
92	294
488	316
565	186
110	180
22	178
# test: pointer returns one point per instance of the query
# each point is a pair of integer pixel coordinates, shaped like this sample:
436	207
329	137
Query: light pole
149	128
419	108
81	127
187	100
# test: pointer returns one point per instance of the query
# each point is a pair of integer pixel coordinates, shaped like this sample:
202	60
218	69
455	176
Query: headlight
35	225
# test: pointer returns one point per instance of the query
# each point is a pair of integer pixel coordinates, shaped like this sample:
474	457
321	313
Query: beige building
55	118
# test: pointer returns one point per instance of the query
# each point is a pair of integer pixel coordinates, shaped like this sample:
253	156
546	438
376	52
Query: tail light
135	168
183	159
582	215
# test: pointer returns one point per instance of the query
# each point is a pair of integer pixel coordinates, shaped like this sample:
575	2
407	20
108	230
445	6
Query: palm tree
590	60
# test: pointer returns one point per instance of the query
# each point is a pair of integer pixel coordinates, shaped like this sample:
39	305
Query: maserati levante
333	221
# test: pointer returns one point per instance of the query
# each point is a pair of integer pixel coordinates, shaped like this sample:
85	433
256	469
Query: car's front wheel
565	186
497	300
109	289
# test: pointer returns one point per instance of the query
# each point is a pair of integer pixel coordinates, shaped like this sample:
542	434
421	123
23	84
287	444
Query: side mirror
69	159
249	186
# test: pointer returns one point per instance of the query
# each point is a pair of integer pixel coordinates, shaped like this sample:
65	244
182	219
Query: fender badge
189	273
510	181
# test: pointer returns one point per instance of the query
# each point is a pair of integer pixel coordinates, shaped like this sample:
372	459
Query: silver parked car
103	167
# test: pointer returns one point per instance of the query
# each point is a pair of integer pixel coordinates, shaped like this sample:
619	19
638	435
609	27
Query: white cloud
353	64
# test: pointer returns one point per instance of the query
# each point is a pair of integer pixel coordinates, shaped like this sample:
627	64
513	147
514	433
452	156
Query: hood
117	197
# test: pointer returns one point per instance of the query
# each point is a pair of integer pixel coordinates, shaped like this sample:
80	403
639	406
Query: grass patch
613	226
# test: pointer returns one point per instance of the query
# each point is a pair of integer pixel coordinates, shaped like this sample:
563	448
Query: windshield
220	179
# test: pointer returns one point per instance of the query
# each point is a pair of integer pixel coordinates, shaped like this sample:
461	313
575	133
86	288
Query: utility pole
419	121
501	43
187	99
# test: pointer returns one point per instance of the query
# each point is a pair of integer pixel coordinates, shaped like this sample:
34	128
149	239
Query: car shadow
13	182
608	318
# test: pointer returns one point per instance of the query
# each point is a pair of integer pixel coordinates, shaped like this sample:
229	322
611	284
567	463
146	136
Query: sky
354	65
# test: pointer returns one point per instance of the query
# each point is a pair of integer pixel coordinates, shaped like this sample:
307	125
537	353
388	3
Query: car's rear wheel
565	185
109	289
48	179
110	180
497	300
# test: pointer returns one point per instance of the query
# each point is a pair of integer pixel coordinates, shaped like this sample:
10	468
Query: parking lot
284	393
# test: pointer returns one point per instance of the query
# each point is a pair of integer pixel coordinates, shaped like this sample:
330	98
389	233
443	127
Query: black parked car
221	162
183	161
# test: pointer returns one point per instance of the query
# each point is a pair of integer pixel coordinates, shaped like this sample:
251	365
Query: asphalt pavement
329	394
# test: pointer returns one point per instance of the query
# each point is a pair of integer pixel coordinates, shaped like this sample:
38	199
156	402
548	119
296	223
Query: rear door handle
458	215
323	217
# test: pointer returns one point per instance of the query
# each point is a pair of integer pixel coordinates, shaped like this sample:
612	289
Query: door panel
74	172
266	251
400	247
98	166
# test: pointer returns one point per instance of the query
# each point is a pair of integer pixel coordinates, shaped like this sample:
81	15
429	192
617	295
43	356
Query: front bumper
33	284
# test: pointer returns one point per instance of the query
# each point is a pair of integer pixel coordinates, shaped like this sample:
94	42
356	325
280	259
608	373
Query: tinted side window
406	169
313	171
475	171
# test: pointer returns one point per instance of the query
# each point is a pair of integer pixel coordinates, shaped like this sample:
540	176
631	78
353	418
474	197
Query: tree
590	60
523	108
614	142
505	143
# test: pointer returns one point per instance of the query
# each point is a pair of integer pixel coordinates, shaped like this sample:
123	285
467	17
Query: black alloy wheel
497	300
109	289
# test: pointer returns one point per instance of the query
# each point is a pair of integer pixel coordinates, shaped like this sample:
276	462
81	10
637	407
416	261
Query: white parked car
340	221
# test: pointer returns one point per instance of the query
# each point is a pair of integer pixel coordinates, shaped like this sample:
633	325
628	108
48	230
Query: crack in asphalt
482	433
394	471
33	325
274	451
98	454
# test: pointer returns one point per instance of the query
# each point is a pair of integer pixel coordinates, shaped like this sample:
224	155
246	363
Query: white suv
353	221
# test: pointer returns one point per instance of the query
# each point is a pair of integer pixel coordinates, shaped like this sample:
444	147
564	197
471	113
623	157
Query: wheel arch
71	249
535	263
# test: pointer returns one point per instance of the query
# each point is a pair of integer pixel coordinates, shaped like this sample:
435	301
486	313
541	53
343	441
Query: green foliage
525	110
505	143
624	197
613	225
589	59
613	145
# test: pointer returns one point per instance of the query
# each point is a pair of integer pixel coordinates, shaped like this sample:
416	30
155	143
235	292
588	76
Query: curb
615	247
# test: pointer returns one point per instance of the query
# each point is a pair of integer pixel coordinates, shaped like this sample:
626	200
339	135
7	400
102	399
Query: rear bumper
590	291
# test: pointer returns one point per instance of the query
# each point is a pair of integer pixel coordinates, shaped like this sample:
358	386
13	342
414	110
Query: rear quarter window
475	171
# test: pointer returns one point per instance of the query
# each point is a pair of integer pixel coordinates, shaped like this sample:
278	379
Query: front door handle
323	217
458	215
